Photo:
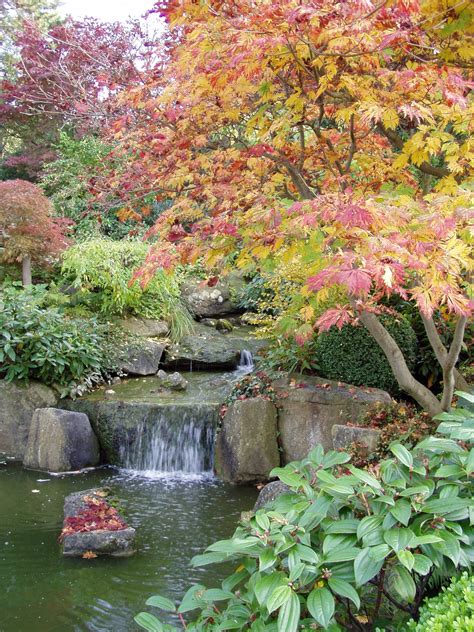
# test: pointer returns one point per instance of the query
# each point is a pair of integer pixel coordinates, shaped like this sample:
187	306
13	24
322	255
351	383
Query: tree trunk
402	373
26	270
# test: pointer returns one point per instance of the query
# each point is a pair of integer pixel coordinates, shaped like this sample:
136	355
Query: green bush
351	354
453	609
102	269
285	354
345	549
38	342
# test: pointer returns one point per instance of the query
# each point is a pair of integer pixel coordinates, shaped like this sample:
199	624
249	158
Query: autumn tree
269	109
68	77
28	230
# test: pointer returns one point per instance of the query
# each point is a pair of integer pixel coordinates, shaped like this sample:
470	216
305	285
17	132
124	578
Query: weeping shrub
102	270
351	354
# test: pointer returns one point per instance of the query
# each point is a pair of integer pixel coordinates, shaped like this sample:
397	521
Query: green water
40	591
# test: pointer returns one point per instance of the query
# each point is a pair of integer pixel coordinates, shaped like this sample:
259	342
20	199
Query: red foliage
98	515
26	223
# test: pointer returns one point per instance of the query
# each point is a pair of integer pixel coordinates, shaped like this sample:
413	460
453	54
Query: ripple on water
175	517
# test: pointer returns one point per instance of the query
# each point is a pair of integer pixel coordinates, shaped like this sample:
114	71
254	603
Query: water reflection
176	518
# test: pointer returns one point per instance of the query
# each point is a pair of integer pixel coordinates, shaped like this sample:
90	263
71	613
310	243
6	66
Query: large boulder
205	301
17	405
116	542
309	407
246	446
145	327
60	441
141	358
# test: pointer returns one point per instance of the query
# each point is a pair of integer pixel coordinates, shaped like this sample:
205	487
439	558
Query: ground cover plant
396	421
346	548
453	609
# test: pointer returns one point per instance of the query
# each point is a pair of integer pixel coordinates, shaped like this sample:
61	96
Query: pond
175	518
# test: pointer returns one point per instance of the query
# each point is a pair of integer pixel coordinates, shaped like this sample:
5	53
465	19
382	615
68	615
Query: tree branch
441	352
425	167
452	358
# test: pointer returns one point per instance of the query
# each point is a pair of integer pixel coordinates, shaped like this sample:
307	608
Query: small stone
269	493
174	381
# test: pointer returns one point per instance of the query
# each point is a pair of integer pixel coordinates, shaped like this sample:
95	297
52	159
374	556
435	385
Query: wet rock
269	493
309	407
145	327
207	348
246	446
141	358
60	441
208	322
121	543
343	436
17	405
174	381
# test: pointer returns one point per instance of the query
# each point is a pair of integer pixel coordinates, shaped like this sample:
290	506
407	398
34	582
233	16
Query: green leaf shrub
452	610
38	342
345	548
102	269
351	354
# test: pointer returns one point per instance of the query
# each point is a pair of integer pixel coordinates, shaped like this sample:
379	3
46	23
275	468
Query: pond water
175	518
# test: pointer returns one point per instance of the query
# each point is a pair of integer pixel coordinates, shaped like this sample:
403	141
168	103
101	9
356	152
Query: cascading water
176	444
246	364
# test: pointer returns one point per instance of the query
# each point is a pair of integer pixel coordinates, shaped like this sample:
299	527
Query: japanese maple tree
28	230
336	135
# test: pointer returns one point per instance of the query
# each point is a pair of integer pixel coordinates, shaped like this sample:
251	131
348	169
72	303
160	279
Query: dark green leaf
321	605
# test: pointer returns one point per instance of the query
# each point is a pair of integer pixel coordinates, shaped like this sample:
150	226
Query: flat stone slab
120	542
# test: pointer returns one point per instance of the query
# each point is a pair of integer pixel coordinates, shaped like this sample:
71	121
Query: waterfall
179	442
246	364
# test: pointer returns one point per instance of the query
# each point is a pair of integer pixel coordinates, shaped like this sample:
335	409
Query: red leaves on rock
96	516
